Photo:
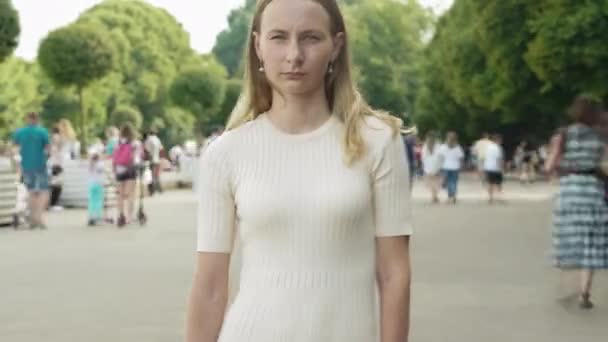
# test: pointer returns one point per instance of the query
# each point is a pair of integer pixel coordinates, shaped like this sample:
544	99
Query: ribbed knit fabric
306	223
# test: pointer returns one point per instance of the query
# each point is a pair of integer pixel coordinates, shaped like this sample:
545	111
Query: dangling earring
261	68
330	70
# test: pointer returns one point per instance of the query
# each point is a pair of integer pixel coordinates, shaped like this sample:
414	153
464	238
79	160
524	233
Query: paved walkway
481	273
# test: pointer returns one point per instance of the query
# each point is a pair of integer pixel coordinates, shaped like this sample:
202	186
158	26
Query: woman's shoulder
231	141
377	133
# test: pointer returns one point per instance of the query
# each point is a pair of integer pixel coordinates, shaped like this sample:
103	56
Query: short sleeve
391	191
216	206
45	137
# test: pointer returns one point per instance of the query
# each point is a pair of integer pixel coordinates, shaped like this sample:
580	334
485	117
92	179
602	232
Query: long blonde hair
66	130
344	99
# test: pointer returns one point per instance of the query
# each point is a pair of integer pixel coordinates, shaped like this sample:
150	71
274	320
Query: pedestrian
431	161
526	155
478	153
96	183
154	146
112	140
124	165
452	156
493	166
56	163
580	216
70	146
318	183
33	142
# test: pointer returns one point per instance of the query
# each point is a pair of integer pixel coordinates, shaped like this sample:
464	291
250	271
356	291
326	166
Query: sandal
585	303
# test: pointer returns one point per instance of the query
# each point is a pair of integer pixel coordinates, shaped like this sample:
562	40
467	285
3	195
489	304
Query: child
96	189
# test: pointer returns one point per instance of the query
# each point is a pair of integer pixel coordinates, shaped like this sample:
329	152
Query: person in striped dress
580	218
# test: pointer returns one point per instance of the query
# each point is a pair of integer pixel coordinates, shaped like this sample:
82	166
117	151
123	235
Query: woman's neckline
330	122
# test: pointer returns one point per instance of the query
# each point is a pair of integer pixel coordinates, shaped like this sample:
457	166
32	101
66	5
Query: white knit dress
306	223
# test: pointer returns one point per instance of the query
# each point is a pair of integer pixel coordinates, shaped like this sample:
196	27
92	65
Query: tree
152	48
76	56
200	91
569	53
60	104
230	43
512	66
22	89
125	114
233	91
387	63
9	29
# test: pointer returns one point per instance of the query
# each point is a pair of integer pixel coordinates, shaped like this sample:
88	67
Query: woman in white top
431	162
452	157
70	146
314	185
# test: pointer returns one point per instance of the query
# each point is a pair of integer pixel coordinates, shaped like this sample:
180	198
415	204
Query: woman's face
296	46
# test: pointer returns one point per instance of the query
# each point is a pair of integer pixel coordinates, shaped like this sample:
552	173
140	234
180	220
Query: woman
317	183
124	163
452	156
70	146
431	161
580	216
56	162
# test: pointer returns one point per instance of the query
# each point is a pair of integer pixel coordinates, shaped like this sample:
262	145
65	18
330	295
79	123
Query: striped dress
580	217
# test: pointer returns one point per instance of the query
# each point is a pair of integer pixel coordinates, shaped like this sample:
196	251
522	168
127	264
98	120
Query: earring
330	70
261	68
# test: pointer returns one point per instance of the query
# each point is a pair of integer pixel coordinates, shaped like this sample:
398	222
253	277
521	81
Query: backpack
123	155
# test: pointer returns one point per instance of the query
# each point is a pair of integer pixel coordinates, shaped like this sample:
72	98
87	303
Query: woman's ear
338	45
256	44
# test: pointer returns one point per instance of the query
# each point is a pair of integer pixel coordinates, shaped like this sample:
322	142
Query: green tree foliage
152	49
570	53
176	126
233	91
201	91
22	90
230	43
512	66
9	29
387	45
124	114
62	103
76	56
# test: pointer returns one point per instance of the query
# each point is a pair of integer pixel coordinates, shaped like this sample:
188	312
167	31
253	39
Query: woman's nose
294	52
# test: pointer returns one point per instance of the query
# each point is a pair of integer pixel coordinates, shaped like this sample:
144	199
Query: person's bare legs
435	184
34	212
130	198
121	200
43	203
586	283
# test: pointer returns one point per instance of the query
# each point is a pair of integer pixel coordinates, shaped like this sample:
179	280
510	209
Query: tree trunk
84	141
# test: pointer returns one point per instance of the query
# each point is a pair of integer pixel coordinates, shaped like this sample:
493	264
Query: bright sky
204	19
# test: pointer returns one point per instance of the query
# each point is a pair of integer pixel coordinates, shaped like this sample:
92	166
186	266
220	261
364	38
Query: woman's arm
208	297
394	277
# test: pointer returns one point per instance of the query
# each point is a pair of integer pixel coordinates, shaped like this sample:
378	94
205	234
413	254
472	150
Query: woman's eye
277	37
311	38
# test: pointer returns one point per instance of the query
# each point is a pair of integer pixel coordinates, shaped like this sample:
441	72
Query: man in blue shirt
33	141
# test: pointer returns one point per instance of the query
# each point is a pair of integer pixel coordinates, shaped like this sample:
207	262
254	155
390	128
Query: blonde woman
314	185
431	162
70	146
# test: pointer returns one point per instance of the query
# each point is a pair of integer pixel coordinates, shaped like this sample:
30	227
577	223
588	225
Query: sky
203	19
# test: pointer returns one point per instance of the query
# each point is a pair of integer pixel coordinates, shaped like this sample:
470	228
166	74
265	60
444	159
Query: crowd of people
576	157
120	159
